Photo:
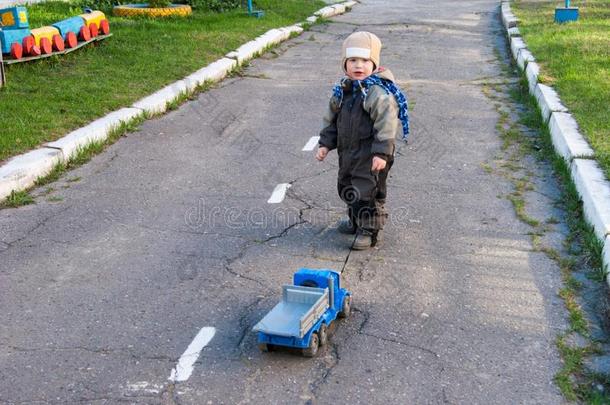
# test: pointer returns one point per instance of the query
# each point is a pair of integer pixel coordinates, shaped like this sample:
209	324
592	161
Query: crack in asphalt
366	314
245	326
38	225
328	367
308	204
169	396
364	270
288	228
443	391
400	342
230	270
106	164
86	400
310	176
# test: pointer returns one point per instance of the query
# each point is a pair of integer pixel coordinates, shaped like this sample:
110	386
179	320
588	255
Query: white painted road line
311	143
184	368
279	193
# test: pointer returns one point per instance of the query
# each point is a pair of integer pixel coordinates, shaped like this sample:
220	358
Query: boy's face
359	68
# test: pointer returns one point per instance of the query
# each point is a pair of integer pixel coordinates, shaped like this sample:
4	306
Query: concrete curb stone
214	72
508	18
293	29
525	57
532	71
514	32
324	12
156	103
272	37
247	51
568	142
594	190
97	130
516	44
339	8
22	171
548	101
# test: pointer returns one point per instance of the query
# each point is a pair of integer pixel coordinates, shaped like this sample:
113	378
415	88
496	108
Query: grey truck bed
299	309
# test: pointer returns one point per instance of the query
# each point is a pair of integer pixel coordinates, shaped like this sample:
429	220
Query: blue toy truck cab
308	307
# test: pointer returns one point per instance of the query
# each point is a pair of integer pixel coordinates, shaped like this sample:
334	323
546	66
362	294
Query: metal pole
2	76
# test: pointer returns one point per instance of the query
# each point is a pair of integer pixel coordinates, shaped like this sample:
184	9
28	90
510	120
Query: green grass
44	100
575	59
17	199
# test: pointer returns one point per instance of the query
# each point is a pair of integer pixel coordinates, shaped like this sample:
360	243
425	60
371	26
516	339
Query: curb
595	193
22	171
566	139
569	143
548	101
96	131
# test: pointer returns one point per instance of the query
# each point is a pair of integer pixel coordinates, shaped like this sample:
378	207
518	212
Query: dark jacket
369	125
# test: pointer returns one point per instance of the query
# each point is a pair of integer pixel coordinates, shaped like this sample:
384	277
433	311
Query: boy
366	113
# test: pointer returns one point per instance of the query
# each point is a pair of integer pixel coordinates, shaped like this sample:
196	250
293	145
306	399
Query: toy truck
301	320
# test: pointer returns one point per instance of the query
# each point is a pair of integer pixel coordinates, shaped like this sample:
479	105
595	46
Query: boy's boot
347	227
364	240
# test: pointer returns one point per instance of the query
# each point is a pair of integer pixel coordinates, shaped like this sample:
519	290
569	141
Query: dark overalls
362	190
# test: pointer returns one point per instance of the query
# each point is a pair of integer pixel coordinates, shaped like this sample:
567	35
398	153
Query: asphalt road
169	231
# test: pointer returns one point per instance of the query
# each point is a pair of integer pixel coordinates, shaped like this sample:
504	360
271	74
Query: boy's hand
378	164
322	152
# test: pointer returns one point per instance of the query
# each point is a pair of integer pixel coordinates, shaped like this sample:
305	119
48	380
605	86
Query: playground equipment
567	13
253	12
19	43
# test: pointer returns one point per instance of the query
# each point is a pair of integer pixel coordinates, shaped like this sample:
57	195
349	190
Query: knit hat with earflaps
364	45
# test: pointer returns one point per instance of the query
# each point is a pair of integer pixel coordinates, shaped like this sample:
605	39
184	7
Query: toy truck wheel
314	344
16	50
323	334
346	308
